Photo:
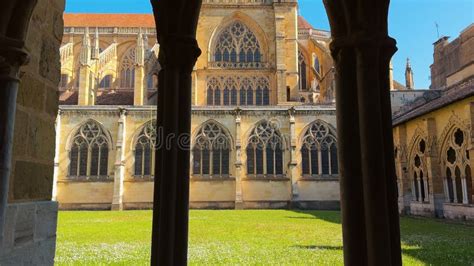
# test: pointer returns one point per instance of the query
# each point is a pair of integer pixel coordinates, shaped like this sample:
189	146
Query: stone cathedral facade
263	115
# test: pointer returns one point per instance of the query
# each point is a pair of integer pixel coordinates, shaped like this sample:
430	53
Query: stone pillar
455	194
86	77
238	162
15	17
140	89
119	173
56	156
362	50
406	190
281	53
464	191
176	23
293	171
434	184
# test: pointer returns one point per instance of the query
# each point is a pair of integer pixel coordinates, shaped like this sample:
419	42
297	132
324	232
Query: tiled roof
303	24
119	97
109	20
68	97
432	101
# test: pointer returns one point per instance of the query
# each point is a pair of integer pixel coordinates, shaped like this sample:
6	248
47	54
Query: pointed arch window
316	64
211	152
89	153
420	185
127	72
458	181
106	82
302	71
145	151
265	151
236	47
319	151
230	90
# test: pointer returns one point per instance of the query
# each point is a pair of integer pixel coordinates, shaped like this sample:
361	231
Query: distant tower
391	76
410	84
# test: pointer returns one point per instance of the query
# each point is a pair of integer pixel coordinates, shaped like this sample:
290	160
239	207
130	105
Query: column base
117	207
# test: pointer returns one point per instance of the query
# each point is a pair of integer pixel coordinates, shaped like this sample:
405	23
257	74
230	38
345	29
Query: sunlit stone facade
263	116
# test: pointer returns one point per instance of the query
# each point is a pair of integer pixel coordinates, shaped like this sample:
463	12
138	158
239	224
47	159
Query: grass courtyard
250	237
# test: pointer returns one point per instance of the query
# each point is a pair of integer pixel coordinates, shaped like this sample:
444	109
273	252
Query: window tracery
89	153
127	72
419	172
319	151
211	151
145	151
265	151
237	47
228	90
455	157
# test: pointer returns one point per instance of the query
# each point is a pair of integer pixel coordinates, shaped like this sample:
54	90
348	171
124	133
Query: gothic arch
453	122
331	128
151	124
225	130
78	127
417	166
248	133
248	21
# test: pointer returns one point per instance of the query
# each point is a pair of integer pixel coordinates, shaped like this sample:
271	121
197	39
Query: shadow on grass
424	239
328	216
314	247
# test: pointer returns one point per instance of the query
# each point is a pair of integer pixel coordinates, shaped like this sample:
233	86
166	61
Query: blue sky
411	23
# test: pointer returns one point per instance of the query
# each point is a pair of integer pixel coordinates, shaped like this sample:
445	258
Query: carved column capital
12	56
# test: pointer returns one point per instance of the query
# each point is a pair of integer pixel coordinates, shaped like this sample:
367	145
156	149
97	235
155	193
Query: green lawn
260	237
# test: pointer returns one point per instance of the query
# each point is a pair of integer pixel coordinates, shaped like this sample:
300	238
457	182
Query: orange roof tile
109	20
303	24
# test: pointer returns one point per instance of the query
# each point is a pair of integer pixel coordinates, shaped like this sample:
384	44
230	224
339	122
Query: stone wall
453	61
30	229
30	237
37	105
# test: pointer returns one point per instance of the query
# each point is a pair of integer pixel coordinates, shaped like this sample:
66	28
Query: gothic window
152	81
212	87
319	151
145	150
316	64
106	82
265	151
238	91
77	77
211	151
237	46
455	158
89	153
127	72
302	71
419	171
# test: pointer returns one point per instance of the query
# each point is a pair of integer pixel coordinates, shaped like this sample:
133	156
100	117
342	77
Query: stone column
406	191
56	156
140	89
434	185
176	22
280	57
86	77
455	194
15	17
362	49
119	173
238	161
464	191
292	165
